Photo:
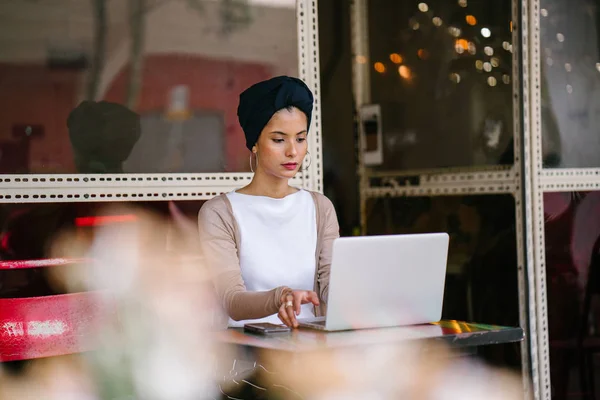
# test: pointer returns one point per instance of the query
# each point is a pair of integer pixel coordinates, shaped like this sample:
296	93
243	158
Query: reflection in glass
179	65
481	280
29	232
570	60
102	136
572	266
442	76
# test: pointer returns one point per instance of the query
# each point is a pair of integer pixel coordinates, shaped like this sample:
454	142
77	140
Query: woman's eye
300	140
278	140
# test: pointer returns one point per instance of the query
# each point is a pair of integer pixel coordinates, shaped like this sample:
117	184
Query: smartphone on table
265	328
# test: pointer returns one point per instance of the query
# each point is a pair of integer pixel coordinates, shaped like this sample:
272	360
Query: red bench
35	327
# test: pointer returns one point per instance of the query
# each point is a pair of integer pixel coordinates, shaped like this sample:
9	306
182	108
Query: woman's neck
269	186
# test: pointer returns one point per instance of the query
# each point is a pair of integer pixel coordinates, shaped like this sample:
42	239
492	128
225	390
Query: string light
396	58
379	67
404	72
560	37
455	78
569	89
361	59
598	66
454	31
461	45
568	67
544	12
472	48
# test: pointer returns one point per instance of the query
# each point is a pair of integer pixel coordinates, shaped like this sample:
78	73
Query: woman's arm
331	231
219	250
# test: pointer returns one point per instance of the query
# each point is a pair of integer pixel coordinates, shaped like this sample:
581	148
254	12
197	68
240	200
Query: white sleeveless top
278	243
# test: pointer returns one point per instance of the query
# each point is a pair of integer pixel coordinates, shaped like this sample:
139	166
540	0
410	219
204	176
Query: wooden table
316	363
455	333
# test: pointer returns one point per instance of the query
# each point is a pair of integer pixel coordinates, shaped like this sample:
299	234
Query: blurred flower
160	344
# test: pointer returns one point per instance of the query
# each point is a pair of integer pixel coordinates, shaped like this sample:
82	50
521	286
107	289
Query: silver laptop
382	281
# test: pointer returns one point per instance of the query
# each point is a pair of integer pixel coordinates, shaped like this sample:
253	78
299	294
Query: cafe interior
460	116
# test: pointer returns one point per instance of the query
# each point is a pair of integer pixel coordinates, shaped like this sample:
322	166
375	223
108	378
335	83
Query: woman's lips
290	166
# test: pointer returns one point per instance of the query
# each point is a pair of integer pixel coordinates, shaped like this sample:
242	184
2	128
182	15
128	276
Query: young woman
269	244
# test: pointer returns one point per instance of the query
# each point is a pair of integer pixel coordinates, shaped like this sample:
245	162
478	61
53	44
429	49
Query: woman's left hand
291	305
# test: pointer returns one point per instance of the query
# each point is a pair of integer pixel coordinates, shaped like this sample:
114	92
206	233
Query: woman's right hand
290	305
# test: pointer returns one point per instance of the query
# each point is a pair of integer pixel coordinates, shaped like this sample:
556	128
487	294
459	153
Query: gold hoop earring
309	160
251	169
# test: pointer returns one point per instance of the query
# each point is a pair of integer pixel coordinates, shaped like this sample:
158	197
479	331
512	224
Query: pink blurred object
37	327
45	262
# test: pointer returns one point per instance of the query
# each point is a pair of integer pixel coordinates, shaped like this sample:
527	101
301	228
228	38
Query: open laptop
382	281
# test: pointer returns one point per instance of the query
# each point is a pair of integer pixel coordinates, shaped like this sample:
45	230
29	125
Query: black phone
265	328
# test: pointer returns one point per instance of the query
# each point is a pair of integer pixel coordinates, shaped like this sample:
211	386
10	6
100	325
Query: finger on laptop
313	298
291	316
298	301
289	307
283	317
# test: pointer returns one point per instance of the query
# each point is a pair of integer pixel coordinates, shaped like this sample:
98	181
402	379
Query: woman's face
282	144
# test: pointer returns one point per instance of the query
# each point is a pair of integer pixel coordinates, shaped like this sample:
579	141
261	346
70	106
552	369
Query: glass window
163	79
440	72
31	232
572	247
482	275
570	66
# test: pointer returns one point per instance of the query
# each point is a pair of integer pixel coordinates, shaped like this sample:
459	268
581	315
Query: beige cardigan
219	242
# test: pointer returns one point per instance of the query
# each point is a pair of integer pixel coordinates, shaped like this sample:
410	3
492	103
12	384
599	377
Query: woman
269	244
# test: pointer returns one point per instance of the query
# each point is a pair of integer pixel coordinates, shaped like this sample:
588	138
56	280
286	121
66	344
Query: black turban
260	101
103	134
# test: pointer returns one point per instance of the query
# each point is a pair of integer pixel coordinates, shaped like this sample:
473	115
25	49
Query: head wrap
102	135
260	101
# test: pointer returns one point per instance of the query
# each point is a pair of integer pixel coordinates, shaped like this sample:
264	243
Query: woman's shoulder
216	206
321	200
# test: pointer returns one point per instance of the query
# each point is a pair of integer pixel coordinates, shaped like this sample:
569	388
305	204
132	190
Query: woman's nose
292	151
